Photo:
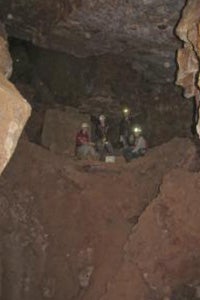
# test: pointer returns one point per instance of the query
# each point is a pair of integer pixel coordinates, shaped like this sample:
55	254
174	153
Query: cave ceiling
140	31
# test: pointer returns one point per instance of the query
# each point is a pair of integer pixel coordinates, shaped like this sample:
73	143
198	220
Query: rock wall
161	251
104	84
60	129
14	109
116	53
188	77
5	58
188	32
133	29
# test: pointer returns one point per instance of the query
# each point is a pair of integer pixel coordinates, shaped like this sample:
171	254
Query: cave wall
188	55
188	30
100	84
44	199
114	53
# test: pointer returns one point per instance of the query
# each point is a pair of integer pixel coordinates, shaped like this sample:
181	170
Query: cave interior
90	230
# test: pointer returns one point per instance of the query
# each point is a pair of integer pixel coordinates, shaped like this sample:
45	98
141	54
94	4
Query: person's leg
109	148
79	152
123	140
92	152
101	150
127	153
82	152
139	153
135	155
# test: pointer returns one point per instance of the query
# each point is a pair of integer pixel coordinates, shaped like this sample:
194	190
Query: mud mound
64	229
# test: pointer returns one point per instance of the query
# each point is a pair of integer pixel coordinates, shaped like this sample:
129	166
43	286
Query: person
84	147
139	148
102	143
126	136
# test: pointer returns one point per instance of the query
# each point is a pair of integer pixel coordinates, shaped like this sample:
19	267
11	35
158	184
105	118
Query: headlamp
125	110
137	129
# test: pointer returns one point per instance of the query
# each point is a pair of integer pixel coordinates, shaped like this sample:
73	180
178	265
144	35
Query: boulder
14	112
60	128
163	248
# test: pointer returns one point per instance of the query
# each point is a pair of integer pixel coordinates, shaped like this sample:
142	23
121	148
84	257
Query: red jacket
82	138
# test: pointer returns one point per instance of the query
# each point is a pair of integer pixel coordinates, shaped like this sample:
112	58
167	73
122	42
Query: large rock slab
163	249
14	112
60	128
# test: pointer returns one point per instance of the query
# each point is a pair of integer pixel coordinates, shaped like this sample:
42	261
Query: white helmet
84	125
102	117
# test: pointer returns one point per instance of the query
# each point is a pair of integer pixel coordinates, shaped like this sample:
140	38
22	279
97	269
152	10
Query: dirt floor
74	230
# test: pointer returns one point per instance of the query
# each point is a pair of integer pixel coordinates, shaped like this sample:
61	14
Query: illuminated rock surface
14	111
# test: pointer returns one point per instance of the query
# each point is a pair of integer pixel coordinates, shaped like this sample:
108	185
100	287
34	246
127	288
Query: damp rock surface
73	234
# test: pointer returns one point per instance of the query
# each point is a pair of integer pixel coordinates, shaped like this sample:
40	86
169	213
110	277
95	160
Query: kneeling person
84	147
139	148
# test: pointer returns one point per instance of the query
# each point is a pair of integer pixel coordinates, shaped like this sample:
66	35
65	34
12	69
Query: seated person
84	147
102	143
139	148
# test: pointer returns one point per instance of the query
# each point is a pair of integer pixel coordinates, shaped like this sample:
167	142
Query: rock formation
73	231
100	84
188	77
60	128
108	54
161	249
123	231
188	32
5	58
14	109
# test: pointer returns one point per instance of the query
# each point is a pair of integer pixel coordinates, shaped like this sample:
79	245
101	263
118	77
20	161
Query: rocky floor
76	230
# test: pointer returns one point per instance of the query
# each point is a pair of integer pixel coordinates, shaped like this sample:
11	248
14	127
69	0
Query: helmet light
137	129
126	110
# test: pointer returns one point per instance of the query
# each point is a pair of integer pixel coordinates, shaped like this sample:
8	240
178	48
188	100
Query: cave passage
114	226
95	85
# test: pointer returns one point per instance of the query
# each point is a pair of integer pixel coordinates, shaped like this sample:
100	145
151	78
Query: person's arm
141	144
81	140
136	148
